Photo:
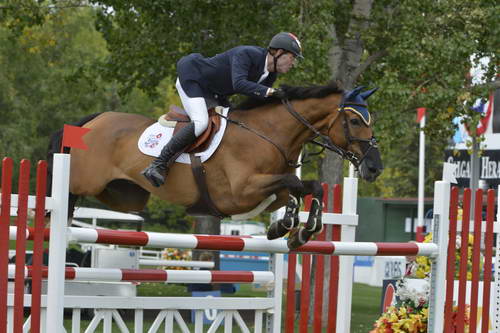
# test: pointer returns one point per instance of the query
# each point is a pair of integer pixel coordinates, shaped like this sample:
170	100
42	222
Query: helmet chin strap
275	61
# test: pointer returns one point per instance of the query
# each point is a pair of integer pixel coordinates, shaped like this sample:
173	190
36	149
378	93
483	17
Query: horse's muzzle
371	166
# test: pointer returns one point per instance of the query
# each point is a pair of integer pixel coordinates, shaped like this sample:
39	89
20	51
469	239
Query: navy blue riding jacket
234	71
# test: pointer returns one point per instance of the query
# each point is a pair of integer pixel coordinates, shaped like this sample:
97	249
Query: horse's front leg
314	224
260	186
289	221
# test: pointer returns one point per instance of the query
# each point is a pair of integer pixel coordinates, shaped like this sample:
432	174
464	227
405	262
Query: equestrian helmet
288	42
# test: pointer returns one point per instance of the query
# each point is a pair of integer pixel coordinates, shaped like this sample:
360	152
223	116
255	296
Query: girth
204	205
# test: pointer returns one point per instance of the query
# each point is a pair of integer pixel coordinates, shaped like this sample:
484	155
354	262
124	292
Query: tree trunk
353	44
331	171
207	225
344	57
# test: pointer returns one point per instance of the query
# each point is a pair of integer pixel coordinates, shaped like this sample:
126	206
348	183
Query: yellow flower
424	263
34	49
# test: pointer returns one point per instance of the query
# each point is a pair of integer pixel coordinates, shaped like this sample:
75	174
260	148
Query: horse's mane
293	93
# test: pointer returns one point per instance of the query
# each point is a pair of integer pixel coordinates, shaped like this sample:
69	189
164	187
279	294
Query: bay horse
252	167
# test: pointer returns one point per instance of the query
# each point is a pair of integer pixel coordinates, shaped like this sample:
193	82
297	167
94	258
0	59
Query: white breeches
196	108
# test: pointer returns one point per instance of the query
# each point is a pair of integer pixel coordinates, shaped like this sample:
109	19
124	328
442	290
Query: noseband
326	141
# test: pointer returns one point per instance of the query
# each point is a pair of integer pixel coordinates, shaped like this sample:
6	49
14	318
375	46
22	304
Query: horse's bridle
327	141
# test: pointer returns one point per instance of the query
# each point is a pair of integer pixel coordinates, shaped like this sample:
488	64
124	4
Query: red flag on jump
420	114
72	137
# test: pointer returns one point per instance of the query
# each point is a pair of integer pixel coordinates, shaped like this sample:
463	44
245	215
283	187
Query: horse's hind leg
314	224
124	196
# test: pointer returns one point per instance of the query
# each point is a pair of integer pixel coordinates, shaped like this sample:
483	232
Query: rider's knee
200	125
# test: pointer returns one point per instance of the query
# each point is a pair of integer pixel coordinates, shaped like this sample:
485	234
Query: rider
204	83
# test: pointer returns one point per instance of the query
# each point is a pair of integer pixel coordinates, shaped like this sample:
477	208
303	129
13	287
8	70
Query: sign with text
489	166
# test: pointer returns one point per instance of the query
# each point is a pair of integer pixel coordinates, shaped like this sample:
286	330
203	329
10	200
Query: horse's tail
56	138
55	147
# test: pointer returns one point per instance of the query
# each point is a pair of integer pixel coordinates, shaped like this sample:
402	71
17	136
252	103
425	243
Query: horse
252	170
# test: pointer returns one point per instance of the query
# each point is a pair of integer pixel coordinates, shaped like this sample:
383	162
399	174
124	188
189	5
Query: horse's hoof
298	237
321	227
318	228
276	230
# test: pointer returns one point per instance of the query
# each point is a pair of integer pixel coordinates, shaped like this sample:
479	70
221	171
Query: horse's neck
279	125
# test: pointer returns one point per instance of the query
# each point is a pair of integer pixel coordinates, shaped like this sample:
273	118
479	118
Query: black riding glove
278	93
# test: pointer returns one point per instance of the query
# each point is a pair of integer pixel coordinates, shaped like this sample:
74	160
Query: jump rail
154	275
60	234
235	243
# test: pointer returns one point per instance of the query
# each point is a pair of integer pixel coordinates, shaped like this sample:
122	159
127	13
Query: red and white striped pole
421	176
153	275
242	243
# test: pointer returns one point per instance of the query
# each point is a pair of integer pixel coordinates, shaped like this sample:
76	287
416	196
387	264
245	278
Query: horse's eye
355	122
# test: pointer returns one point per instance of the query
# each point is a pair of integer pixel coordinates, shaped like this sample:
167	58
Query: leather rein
326	143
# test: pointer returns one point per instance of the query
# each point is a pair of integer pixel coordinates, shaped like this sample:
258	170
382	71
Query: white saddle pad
156	136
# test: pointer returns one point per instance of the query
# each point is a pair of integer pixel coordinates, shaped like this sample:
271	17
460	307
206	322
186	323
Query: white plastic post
276	263
351	170
496	302
349	202
421	182
58	243
438	272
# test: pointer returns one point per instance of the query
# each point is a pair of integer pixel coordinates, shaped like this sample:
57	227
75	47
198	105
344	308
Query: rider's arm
268	82
240	67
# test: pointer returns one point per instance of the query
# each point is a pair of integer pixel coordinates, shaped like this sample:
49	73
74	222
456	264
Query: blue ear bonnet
355	101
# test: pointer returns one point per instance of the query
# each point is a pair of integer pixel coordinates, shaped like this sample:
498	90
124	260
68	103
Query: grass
178	290
365	307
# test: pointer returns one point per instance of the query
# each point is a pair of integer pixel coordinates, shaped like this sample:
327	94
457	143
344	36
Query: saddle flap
178	118
206	137
177	114
173	116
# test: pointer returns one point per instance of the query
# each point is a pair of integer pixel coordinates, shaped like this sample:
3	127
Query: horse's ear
351	95
368	93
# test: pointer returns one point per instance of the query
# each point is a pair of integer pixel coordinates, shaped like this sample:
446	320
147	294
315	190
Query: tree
50	77
41	88
417	52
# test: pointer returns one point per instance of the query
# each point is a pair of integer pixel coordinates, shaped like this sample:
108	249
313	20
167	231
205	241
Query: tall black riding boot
157	171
